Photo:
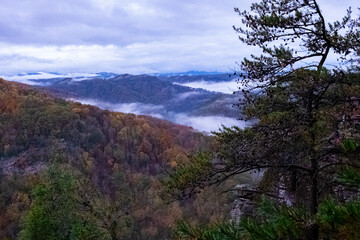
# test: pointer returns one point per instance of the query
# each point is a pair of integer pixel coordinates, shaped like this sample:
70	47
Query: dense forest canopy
73	171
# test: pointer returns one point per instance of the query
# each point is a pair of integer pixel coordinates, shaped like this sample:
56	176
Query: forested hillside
68	169
189	77
146	89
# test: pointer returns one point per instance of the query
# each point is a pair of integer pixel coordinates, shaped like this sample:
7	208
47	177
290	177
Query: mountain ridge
149	95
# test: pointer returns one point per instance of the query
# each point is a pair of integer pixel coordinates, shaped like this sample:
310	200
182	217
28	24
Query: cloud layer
225	87
134	36
120	36
200	123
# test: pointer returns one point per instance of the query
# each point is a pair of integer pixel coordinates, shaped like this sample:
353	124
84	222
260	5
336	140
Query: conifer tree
304	113
54	213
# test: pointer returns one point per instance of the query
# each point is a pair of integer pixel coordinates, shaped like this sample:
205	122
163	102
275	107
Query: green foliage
304	117
350	176
336	221
275	222
297	107
52	214
96	138
341	221
218	231
349	145
296	23
188	175
229	139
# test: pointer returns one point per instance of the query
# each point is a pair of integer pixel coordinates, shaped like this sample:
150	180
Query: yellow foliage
85	110
76	110
116	167
173	164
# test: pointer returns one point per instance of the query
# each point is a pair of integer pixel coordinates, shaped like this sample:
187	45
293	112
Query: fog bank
200	123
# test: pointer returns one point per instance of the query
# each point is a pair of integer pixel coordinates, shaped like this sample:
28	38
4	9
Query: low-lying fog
201	123
31	78
225	87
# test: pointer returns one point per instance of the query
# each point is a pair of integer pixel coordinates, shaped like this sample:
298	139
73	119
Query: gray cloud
109	21
18	57
134	36
121	22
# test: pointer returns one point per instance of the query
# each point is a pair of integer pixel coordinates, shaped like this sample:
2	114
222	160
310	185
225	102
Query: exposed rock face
235	213
20	165
285	196
242	205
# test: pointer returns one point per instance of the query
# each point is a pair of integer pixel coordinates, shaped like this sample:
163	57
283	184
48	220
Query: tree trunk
313	228
312	232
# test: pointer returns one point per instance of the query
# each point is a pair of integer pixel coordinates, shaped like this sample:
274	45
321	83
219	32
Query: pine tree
55	211
304	113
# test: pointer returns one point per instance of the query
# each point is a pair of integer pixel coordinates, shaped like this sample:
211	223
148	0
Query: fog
136	108
183	96
207	123
27	78
200	123
225	87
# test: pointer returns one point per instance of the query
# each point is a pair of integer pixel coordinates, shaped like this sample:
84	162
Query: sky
126	36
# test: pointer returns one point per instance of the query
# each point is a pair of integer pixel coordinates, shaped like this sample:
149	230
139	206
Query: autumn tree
304	113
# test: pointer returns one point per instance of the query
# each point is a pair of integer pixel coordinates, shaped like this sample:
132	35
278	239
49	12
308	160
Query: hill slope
115	155
147	89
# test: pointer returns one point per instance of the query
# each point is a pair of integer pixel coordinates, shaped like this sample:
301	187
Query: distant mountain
149	90
189	73
163	96
106	75
183	77
208	77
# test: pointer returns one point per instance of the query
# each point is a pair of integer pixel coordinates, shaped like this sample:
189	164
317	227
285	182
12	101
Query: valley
105	168
165	96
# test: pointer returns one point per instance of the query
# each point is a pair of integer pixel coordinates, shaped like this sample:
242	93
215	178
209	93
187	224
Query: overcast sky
126	36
